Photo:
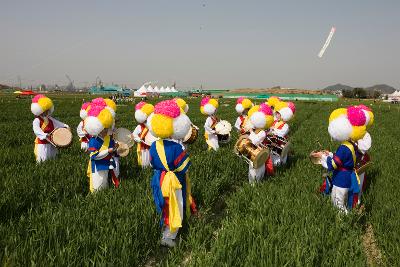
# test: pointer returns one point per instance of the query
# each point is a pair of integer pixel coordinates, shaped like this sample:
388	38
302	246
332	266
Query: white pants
166	233
361	176
44	152
277	160
213	141
339	197
255	175
99	180
145	158
84	146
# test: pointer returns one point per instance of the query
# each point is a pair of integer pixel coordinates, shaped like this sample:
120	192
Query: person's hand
110	150
137	139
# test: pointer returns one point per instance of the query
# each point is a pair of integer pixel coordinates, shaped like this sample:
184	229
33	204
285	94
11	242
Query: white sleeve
37	130
365	143
79	130
282	132
207	125
102	154
237	123
58	124
324	159
137	131
256	139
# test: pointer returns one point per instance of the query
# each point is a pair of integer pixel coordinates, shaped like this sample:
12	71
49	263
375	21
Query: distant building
101	89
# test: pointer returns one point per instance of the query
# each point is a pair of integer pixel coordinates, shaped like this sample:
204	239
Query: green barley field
48	217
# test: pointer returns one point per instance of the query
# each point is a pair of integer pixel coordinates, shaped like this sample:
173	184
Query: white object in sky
328	40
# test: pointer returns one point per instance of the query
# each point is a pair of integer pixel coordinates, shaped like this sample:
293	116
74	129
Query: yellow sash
104	146
168	188
44	125
140	145
353	153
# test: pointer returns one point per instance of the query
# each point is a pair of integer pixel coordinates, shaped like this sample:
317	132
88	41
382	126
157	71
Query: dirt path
371	249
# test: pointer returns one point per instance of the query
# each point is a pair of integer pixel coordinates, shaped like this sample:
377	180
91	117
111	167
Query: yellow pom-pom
337	113
280	105
111	104
105	118
246	103
202	110
252	110
214	102
162	126
358	132
270	121
371	118
45	103
148	109
272	101
181	103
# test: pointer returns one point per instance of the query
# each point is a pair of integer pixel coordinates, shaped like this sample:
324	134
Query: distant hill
383	88
338	87
4	87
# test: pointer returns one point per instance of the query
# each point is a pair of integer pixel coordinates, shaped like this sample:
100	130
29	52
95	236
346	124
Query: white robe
81	133
144	159
212	139
255	175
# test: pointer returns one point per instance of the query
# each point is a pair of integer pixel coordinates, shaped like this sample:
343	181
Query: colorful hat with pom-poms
208	106
182	104
242	104
271	101
169	121
368	114
261	116
106	103
84	110
143	111
98	118
40	104
347	123
286	110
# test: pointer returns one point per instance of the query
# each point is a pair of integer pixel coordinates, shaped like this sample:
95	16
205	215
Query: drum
363	163
61	137
123	135
278	145
255	155
191	136
123	149
316	155
223	130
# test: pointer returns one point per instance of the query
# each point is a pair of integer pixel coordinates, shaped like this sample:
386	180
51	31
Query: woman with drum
208	106
43	126
242	107
141	134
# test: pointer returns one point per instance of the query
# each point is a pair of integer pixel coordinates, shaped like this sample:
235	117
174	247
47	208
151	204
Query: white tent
156	89
150	89
173	89
168	89
395	94
140	92
162	89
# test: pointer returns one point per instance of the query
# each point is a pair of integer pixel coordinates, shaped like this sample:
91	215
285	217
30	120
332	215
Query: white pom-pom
340	129
258	120
140	116
186	108
36	109
51	110
93	126
209	109
239	108
181	126
286	113
365	143
367	117
83	114
148	123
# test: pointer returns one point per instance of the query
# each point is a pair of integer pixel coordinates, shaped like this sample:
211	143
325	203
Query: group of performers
162	136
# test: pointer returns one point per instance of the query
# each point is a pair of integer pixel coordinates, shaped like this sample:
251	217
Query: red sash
47	129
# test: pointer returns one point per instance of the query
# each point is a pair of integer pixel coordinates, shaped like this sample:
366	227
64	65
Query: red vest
48	129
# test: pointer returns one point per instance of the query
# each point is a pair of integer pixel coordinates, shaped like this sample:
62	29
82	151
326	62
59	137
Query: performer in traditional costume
261	118
170	183
272	101
83	135
142	112
242	107
101	147
43	124
208	106
346	126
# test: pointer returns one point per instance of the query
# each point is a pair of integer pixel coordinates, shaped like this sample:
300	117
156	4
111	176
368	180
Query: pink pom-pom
356	116
204	101
85	105
291	106
264	108
140	105
95	110
240	100
364	107
168	108
99	102
37	97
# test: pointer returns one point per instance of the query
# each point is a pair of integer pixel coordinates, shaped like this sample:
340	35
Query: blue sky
219	44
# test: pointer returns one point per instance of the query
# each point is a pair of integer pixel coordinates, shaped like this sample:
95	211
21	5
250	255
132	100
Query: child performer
101	148
346	126
142	112
170	183
261	118
242	107
208	106
43	124
83	136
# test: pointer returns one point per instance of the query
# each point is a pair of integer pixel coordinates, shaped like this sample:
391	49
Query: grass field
48	217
